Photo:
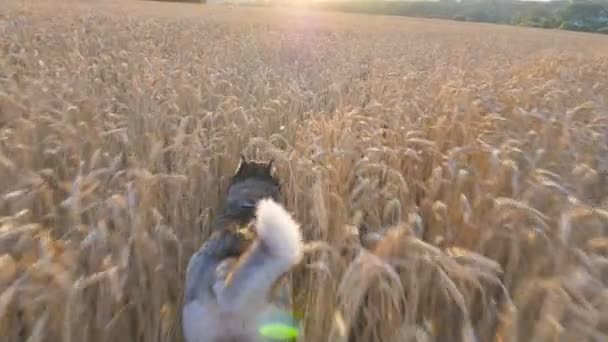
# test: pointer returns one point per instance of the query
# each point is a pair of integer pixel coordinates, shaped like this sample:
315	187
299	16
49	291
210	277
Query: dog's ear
242	166
270	167
272	171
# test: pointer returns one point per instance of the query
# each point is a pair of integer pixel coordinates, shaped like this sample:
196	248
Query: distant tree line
577	15
191	1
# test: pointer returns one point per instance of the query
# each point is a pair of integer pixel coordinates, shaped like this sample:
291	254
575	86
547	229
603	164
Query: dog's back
228	297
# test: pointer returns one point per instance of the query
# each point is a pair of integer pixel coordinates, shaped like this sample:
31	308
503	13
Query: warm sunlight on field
484	147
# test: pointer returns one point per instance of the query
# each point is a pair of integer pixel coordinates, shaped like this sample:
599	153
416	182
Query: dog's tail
279	233
277	249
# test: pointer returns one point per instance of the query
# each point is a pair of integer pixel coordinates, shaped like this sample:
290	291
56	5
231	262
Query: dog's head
252	182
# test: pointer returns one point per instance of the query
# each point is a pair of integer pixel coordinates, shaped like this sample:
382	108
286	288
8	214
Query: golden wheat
478	151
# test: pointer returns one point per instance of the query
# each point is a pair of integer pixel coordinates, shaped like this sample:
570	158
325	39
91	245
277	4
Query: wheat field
481	151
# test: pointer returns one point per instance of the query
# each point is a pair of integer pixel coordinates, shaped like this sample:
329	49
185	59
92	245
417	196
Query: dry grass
485	147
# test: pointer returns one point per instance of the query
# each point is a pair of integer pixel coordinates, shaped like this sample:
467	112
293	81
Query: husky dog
231	281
